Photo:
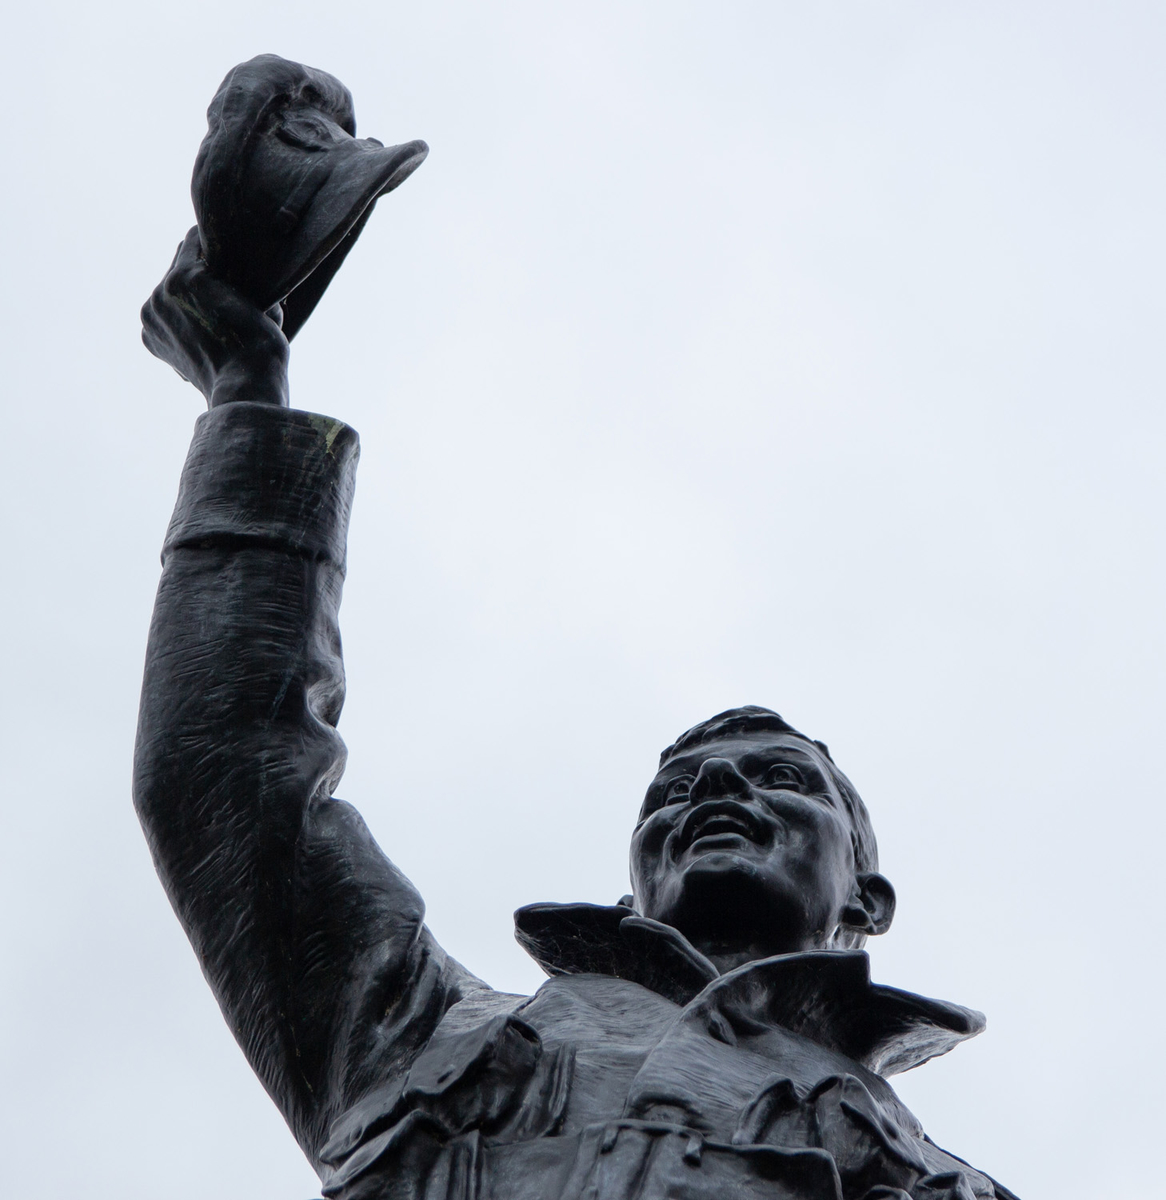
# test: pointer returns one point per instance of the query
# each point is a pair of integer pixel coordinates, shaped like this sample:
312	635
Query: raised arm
313	942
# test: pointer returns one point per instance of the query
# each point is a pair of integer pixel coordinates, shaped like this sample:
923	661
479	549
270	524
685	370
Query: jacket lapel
824	995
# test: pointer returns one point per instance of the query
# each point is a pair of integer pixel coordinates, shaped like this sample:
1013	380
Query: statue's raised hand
213	336
282	187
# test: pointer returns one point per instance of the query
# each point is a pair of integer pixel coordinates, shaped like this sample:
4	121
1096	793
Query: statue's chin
729	898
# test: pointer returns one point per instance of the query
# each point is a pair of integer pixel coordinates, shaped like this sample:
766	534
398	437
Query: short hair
751	718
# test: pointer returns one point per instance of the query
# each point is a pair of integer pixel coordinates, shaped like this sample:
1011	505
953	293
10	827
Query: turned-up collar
825	995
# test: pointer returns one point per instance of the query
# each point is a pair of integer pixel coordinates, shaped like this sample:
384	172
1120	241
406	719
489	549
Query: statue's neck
728	957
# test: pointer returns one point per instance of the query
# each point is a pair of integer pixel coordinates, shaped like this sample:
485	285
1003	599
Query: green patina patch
329	427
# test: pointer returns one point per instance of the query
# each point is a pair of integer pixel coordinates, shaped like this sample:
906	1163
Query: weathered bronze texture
282	188
713	1036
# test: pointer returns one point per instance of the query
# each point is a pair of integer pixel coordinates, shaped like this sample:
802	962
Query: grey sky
806	355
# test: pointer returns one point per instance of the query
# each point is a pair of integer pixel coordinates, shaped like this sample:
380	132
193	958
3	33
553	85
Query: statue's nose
718	777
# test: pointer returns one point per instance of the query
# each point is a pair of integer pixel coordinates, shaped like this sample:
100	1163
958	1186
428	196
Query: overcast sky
807	355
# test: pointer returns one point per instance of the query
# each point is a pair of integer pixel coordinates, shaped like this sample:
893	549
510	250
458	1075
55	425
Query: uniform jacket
636	1070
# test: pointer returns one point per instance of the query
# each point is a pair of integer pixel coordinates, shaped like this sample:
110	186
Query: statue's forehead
764	742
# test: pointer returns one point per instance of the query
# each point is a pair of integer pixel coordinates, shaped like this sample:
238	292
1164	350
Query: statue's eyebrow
683	762
791	754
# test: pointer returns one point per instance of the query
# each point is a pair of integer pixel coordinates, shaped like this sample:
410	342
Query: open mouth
722	822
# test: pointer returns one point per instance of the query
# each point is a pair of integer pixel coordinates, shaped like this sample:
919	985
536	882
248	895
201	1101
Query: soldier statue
713	1036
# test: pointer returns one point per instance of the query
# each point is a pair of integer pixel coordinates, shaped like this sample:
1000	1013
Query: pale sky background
807	355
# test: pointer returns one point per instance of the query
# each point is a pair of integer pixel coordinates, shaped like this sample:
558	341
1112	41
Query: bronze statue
713	1036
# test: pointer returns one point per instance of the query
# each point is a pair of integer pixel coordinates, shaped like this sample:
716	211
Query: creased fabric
635	1072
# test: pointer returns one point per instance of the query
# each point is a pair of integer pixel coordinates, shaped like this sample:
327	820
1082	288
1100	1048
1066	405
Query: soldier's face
746	841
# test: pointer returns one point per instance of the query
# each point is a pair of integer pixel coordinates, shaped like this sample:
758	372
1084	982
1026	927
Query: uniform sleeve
313	943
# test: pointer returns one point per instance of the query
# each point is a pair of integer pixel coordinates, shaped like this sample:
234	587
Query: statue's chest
599	1089
639	1056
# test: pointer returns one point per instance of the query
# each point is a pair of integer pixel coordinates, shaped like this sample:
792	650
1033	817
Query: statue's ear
871	906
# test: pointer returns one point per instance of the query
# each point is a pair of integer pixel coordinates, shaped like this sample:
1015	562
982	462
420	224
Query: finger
154	349
156	330
163	317
178	252
188	264
168	334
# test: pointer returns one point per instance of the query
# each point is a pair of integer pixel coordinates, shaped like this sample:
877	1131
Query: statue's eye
678	790
783	775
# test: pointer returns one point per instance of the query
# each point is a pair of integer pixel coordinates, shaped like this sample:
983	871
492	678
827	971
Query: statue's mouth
719	820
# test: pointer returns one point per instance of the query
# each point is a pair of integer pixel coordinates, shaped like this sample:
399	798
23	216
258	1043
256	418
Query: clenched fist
213	336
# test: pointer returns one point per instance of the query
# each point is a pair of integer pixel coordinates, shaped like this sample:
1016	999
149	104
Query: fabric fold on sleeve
275	476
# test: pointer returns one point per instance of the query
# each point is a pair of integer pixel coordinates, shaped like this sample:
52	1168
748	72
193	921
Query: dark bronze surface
714	1035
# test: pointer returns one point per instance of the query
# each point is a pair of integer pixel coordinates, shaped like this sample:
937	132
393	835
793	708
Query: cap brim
335	217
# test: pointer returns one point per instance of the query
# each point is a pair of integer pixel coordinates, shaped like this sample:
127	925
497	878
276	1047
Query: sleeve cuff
276	475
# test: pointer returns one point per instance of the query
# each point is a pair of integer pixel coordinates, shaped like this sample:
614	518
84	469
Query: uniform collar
825	995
